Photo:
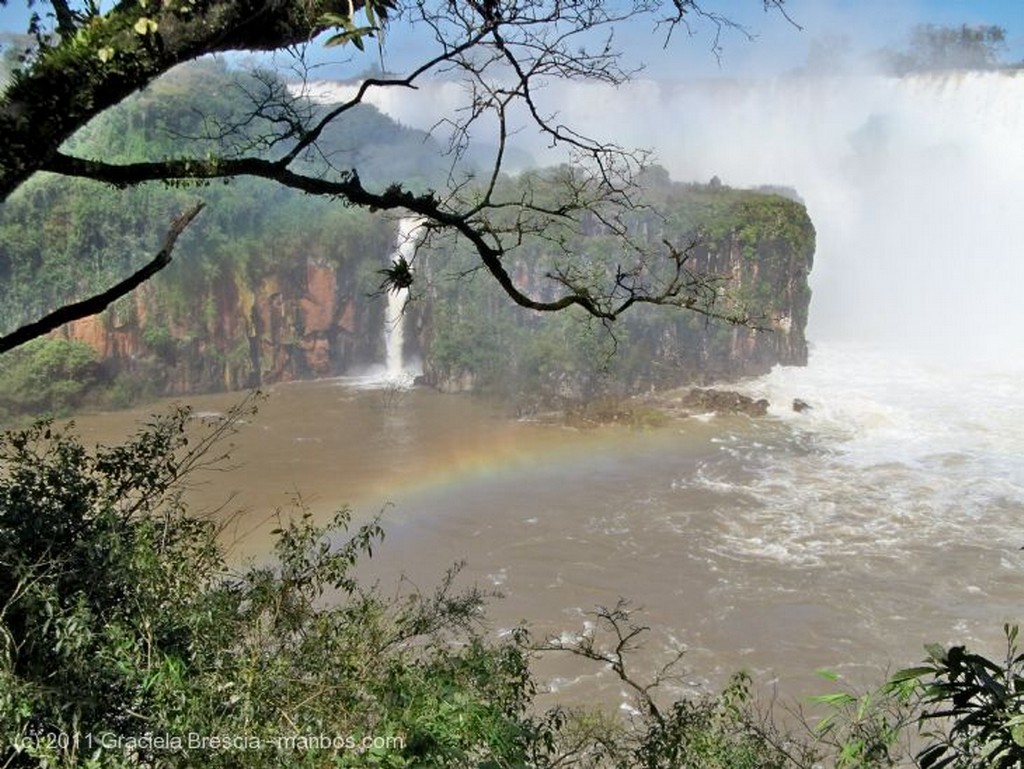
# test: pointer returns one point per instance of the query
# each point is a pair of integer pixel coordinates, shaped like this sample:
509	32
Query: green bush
46	375
867	730
160	342
958	709
122	624
970	709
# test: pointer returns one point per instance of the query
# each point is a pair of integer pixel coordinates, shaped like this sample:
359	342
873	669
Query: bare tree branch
684	289
624	634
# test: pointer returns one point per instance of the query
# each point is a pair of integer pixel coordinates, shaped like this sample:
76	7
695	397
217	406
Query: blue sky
869	25
778	47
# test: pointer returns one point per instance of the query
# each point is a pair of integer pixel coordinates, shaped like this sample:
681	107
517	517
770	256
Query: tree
935	48
85	60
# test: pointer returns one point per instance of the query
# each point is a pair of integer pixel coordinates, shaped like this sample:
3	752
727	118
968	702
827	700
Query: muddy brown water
751	543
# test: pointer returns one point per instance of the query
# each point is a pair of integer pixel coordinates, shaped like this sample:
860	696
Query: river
844	537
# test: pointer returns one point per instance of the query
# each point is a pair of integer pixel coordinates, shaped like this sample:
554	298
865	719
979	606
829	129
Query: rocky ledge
722	402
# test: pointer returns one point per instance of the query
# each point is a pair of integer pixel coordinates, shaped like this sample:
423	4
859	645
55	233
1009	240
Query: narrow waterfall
394	318
394	333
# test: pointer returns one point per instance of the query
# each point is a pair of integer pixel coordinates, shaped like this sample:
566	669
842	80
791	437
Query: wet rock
724	402
800	405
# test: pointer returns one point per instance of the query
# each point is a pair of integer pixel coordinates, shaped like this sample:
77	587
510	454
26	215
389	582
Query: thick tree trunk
109	58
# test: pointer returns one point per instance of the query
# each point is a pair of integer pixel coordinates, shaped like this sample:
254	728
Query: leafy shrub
160	341
46	375
866	730
971	708
122	623
958	709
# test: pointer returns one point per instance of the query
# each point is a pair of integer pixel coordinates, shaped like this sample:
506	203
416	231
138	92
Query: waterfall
394	318
916	323
394	333
912	184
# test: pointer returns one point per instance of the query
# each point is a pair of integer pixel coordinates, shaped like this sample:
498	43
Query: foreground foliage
958	709
971	707
122	626
127	640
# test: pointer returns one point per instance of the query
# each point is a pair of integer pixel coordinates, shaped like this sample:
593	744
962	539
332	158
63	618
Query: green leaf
929	756
910	674
145	26
335	20
352	34
1017	734
838	699
936	652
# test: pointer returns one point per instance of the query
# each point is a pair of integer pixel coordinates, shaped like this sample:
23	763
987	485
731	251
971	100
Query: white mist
912	186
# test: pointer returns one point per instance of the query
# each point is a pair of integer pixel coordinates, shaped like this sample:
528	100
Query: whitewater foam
892	456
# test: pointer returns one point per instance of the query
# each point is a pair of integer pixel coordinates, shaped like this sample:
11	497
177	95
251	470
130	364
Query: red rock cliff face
306	320
311	317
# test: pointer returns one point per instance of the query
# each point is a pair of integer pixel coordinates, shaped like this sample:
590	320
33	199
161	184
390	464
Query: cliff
303	314
266	285
761	246
303	322
270	286
289	302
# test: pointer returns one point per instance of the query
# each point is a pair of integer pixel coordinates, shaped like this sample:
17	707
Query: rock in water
724	402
